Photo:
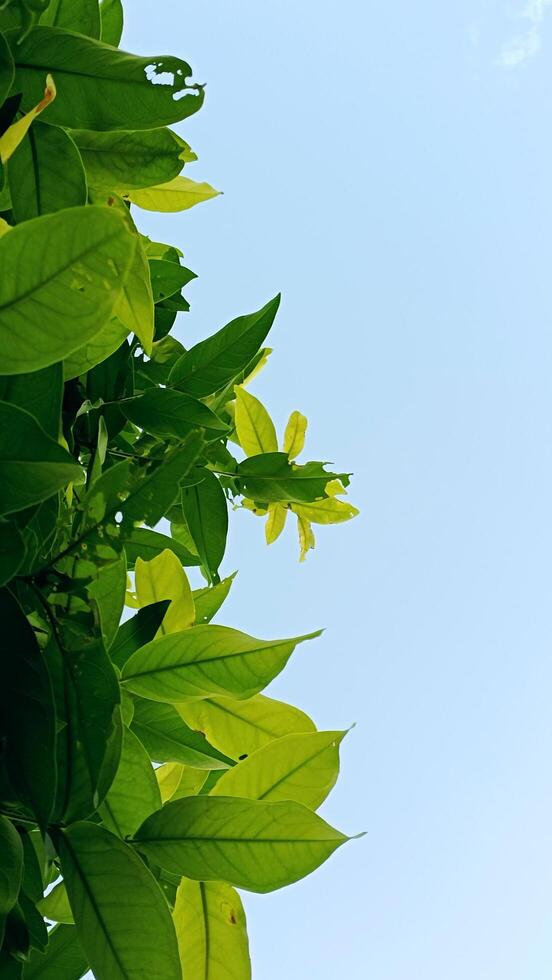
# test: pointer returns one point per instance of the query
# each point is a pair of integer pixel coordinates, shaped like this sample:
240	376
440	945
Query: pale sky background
388	167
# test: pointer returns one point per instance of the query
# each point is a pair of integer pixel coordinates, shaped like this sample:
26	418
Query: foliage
143	774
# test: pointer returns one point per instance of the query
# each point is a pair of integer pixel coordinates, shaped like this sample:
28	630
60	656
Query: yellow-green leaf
306	537
178	194
135	308
326	511
164	578
255	428
275	522
16	133
211	931
294	436
176	780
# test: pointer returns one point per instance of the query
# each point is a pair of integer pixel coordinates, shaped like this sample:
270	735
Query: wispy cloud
526	44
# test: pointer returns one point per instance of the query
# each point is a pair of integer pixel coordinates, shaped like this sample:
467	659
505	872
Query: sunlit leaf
178	194
211	931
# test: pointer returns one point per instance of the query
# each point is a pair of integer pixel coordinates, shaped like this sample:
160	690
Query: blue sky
387	166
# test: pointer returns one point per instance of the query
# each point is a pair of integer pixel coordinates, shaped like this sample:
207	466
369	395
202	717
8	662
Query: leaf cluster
144	776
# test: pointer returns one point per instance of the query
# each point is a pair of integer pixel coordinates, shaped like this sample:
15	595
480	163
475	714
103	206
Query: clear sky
387	166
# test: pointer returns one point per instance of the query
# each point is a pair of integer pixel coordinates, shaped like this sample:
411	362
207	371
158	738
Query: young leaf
307	540
126	161
44	154
57	270
100	88
170	413
167	738
253	845
10	140
255	428
211	931
214	362
134	793
64	958
330	510
294	436
302	767
32	465
111	18
164	578
275	522
205	661
28	714
11	870
178	194
240	727
82	16
122	918
205	509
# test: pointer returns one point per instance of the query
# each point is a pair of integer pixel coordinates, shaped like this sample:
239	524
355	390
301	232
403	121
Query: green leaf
27	711
55	905
32	465
275	522
108	591
59	270
167	738
176	780
178	194
11	868
10	968
168	278
208	601
302	767
271	477
206	513
214	362
38	392
64	958
125	161
134	793
330	510
100	88
112	21
12	550
241	727
170	413
137	631
98	349
146	544
253	845
211	931
134	308
152	497
206	660
38	933
7	69
255	428
35	168
82	16
123	920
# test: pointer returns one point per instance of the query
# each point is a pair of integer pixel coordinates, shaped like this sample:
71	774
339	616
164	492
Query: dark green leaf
137	631
64	958
214	362
168	278
12	550
10	969
206	512
126	161
35	168
38	933
270	477
40	393
111	15
169	739
99	87
170	413
121	915
82	16
32	465
11	868
146	544
27	711
7	69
